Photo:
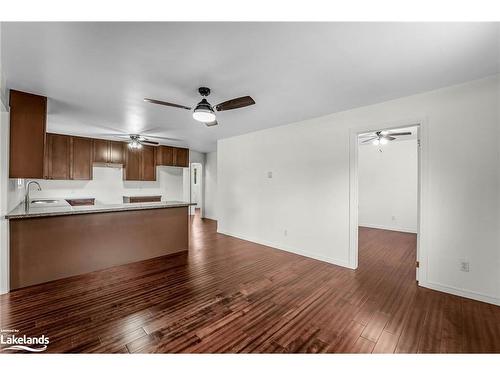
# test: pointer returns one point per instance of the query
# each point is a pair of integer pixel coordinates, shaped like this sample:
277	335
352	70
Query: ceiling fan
381	137
204	111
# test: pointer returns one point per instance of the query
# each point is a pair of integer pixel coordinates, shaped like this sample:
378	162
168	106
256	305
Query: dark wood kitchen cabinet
140	164
148	163
101	151
109	151
172	156
67	158
181	157
132	170
117	152
28	113
81	158
165	156
57	157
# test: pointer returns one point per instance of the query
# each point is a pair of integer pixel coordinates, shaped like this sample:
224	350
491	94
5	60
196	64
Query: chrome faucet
27	196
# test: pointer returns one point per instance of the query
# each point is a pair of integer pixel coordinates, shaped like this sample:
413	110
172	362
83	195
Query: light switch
269	174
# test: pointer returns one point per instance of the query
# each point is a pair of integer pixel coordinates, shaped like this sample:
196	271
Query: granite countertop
61	209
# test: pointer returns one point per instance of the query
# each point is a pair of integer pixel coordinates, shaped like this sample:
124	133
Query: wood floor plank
228	295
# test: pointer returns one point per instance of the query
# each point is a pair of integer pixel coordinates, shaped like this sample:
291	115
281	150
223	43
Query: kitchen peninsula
49	243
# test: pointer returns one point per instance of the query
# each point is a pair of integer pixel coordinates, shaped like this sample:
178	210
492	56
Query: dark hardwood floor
230	295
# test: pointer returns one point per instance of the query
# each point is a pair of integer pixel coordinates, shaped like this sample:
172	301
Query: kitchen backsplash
108	186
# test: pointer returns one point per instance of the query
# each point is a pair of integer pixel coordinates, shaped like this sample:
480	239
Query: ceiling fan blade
110	135
213	123
149	142
154	101
389	138
244	101
369	140
399	134
165	138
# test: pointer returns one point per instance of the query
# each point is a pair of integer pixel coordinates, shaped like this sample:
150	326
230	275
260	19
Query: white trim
4	203
460	292
354	186
337	262
388	227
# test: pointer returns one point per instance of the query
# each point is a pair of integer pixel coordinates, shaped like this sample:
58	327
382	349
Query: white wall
107	186
308	195
388	185
211	185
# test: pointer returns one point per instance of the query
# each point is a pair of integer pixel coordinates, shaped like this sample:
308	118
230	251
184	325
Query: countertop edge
135	207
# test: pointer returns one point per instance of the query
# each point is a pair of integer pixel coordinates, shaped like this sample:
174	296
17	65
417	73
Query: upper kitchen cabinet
57	157
68	158
28	113
148	163
172	156
140	164
108	152
181	157
117	152
81	158
133	166
100	151
165	156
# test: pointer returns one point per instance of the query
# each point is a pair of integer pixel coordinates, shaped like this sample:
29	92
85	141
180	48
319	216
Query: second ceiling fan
204	111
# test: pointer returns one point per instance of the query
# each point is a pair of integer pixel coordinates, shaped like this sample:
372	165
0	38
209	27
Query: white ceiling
96	74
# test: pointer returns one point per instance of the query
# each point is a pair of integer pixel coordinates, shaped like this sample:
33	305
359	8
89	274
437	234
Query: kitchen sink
44	201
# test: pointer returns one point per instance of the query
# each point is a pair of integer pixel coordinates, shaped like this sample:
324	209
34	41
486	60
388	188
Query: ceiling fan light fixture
376	142
383	141
204	115
204	112
135	144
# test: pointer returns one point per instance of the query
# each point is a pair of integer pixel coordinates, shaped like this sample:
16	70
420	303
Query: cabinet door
148	163
181	157
81	160
133	166
27	135
58	157
116	152
165	156
101	151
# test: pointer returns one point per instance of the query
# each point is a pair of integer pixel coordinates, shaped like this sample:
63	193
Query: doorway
385	186
196	189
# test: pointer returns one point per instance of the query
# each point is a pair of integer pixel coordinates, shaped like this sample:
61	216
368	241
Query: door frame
200	182
422	188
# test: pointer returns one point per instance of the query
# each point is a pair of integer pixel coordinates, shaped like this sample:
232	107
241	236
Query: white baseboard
388	227
460	292
289	249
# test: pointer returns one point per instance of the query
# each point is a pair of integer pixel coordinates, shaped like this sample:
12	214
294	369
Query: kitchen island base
53	247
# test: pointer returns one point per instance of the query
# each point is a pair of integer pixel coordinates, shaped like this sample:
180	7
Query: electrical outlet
269	174
393	218
464	266
285	232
